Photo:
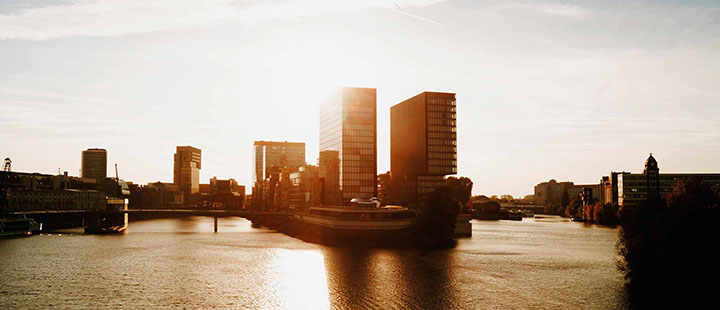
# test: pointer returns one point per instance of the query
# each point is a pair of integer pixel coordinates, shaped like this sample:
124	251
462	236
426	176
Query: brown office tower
94	164
329	175
348	126
423	145
186	174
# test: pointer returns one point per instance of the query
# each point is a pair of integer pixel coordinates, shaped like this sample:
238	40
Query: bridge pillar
216	221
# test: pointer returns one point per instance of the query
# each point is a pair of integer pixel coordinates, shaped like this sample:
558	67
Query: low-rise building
156	195
631	189
552	192
23	192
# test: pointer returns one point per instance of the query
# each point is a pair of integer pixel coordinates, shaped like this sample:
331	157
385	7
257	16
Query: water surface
181	263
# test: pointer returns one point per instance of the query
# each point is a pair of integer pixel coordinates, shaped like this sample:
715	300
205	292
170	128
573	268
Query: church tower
652	177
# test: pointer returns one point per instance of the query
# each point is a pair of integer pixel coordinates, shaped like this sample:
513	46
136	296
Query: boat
21	226
106	230
355	225
515	216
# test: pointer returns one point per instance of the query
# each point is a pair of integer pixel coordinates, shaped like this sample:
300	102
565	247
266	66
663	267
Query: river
180	263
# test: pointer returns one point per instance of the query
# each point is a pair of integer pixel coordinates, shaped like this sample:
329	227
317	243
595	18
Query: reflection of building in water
348	126
630	189
423	145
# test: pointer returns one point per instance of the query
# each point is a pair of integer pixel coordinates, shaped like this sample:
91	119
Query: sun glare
302	283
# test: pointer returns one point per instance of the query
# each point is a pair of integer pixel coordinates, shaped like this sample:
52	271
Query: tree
435	223
574	209
555	209
460	188
668	245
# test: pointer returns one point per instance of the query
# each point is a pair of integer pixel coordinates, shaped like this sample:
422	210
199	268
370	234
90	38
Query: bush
598	213
574	209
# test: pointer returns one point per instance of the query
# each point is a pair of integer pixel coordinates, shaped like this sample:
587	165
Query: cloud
121	17
548	8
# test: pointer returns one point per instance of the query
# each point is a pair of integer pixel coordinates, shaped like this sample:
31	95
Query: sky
566	90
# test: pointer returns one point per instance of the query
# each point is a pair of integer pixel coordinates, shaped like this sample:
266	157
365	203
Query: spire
652	177
651	165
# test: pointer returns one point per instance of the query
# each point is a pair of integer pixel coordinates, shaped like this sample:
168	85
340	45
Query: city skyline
568	91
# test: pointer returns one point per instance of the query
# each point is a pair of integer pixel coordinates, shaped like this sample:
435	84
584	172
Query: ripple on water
180	263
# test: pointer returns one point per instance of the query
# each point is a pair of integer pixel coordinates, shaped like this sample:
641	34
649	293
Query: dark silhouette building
652	178
156	195
423	145
348	126
94	164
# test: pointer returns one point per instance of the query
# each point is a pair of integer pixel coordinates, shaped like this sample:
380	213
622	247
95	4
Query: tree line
597	213
668	247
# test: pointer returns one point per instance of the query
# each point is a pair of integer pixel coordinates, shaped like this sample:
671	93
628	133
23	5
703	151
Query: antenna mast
7	166
117	180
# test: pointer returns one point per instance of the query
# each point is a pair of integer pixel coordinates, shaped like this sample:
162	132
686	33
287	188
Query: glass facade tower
348	126
423	145
277	155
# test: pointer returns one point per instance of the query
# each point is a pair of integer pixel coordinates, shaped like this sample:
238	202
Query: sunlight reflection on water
181	263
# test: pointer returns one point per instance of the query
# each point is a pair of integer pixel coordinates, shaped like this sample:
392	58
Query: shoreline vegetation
600	214
667	247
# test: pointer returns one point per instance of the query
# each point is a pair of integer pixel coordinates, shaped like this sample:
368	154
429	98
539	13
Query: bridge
248	214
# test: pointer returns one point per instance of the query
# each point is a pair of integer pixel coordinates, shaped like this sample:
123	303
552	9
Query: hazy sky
568	90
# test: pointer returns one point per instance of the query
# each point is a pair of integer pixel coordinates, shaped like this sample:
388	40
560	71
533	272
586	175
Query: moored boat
18	226
106	230
355	225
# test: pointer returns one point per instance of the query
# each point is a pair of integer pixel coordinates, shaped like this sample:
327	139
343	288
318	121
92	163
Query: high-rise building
269	154
94	164
329	175
423	145
282	154
186	174
348	126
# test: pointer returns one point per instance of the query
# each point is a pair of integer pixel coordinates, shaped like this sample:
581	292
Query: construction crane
7	166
